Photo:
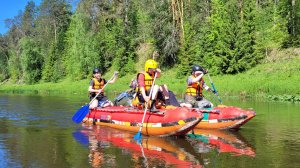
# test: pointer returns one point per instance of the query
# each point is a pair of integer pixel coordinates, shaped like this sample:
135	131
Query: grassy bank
277	80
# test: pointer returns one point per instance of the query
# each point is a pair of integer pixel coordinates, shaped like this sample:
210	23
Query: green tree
270	25
165	33
216	45
243	55
14	35
195	26
28	18
82	49
4	57
291	11
31	60
52	23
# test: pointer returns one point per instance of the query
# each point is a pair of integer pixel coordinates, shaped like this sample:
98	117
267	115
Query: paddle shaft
148	102
206	111
213	86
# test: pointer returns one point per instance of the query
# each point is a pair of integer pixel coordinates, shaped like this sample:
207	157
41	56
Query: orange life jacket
196	88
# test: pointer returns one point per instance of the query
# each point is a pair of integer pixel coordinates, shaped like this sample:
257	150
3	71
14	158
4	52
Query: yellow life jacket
97	85
148	80
148	83
196	88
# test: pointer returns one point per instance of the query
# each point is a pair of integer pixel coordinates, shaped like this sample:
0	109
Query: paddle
83	111
138	136
206	111
215	90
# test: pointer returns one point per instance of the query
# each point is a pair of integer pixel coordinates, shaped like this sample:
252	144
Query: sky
11	8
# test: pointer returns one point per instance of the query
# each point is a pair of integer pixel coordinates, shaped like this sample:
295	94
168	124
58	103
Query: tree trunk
54	24
293	17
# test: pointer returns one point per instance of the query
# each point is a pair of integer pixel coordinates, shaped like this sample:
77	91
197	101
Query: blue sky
11	8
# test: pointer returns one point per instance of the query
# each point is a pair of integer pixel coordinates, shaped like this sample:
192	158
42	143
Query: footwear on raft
176	121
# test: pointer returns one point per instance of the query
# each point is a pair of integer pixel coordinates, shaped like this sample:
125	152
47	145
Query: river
37	131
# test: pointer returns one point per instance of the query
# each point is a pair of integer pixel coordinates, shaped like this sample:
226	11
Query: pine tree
52	23
270	25
216	46
165	33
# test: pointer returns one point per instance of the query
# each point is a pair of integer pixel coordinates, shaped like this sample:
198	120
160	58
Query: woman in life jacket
95	87
195	85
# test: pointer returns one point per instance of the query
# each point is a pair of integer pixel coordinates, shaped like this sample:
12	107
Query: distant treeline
51	41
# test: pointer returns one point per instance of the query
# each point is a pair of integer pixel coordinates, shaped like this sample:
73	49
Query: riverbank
275	80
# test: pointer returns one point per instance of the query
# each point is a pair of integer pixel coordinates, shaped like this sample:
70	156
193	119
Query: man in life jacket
95	87
145	81
195	86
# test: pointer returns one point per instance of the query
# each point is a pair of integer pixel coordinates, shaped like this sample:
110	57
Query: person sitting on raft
145	81
126	98
95	87
195	84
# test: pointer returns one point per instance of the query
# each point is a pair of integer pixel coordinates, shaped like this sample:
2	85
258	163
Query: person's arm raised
116	73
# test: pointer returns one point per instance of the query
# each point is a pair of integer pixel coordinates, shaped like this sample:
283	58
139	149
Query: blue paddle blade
80	114
138	137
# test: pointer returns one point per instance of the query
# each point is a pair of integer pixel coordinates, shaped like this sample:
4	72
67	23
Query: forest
55	40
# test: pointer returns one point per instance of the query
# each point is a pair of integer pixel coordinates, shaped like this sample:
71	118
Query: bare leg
165	90
154	92
153	98
94	104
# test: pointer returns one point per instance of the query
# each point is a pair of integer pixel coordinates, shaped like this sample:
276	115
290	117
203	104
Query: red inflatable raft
167	122
224	117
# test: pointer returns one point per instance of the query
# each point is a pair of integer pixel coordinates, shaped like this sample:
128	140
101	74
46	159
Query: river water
37	131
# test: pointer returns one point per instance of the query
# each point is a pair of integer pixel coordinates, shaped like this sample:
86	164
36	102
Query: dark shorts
102	100
141	98
160	96
99	97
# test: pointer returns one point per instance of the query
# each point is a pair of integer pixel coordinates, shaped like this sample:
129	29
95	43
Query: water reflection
108	146
152	152
205	141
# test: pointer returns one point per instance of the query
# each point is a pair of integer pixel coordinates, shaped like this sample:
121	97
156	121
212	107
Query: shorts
160	96
104	103
200	103
190	99
102	100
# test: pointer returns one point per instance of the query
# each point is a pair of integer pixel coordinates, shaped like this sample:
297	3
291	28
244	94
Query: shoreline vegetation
273	80
250	49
